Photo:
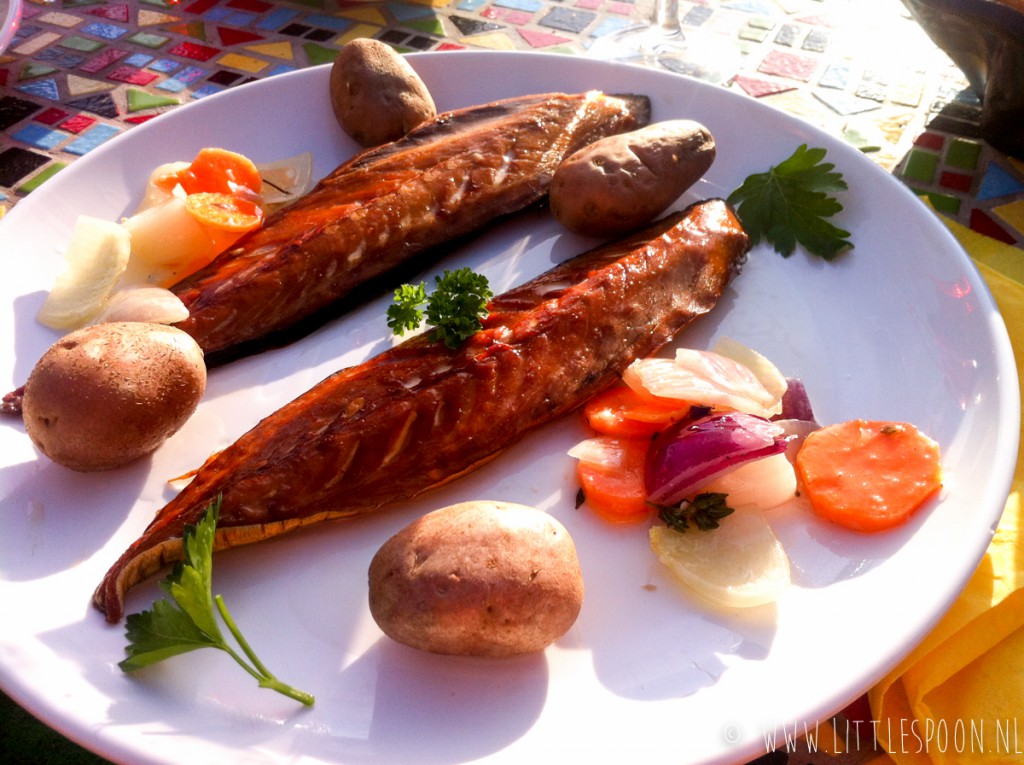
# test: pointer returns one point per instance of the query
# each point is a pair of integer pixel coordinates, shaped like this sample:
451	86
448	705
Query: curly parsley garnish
788	205
455	309
704	512
190	621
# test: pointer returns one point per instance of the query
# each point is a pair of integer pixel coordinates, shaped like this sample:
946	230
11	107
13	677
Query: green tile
36	181
921	166
138	100
944	203
319	54
82	44
148	39
963	153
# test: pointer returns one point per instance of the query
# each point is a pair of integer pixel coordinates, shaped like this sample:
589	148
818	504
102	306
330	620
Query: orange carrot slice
868	475
223	171
611	475
621	411
224	212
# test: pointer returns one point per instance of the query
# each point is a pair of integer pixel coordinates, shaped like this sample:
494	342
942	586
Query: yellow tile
84	86
245	63
432	3
359	30
367	14
58	19
35	44
149	18
493	40
1012	213
281	50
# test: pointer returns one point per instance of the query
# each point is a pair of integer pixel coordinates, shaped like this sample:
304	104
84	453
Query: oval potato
621	182
477	579
376	95
108	394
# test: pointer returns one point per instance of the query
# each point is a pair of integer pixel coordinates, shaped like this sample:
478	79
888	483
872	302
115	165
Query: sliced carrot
224	212
868	475
222	171
613	481
621	411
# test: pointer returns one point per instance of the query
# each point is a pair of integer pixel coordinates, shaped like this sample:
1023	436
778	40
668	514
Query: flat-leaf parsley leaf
788	205
190	621
455	309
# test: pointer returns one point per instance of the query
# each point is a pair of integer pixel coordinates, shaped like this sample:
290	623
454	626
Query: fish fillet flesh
421	414
385	207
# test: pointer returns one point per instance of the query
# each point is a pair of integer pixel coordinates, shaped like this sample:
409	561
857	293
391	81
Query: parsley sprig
704	512
454	309
190	621
790	202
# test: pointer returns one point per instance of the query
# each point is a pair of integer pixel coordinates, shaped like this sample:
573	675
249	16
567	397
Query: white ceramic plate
901	328
10	17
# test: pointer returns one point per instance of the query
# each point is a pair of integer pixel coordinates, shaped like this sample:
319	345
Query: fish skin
421	414
389	206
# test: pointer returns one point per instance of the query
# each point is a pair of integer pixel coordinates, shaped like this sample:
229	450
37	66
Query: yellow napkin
959	697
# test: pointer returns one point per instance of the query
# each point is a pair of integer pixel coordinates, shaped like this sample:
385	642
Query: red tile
51	116
230	36
200	6
758	88
77	123
193	51
256	6
983	224
932	141
132	76
955	181
790	65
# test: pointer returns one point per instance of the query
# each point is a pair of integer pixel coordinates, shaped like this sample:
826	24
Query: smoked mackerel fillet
446	179
421	414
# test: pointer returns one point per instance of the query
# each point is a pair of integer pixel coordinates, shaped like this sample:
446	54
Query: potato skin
376	96
621	182
105	395
481	578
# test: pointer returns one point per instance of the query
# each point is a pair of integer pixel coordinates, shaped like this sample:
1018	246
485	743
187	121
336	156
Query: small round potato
107	394
376	96
621	182
477	579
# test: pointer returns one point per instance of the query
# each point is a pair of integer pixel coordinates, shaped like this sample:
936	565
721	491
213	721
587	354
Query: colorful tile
998	182
16	163
791	65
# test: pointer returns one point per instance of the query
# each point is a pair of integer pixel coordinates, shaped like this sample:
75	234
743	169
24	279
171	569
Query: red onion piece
796	404
692	452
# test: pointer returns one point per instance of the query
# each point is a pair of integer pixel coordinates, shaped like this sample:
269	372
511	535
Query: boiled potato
477	579
376	96
105	395
621	182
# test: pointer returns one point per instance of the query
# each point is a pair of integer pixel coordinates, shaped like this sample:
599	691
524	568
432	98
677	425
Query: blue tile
328	22
277	18
281	69
472	5
530	6
103	31
164	65
610	25
39	136
836	76
997	182
138	60
206	90
91	139
42	88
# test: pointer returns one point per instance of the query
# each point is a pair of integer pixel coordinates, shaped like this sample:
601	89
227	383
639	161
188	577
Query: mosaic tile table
81	72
